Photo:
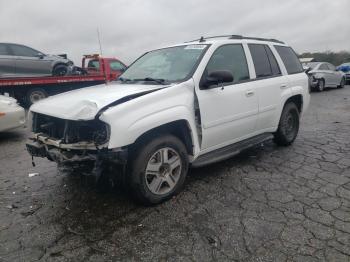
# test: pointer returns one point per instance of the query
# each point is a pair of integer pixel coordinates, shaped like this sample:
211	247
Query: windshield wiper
124	79
147	79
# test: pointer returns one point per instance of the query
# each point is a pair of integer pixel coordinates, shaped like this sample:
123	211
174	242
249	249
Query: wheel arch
297	100
179	128
58	63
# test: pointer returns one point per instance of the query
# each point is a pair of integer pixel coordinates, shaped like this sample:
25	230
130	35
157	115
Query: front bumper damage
313	81
40	145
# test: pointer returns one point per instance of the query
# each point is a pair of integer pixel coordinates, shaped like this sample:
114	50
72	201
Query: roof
234	37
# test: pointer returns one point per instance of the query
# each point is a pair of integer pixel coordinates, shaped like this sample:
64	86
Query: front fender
121	136
130	120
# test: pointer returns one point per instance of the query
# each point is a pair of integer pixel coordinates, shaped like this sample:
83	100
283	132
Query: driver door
228	112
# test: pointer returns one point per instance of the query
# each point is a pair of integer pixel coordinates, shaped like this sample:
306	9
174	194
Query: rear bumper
61	155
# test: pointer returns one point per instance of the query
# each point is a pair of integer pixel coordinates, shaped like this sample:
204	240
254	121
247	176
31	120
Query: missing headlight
69	131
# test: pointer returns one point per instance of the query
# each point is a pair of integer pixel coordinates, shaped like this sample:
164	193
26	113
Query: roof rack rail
202	39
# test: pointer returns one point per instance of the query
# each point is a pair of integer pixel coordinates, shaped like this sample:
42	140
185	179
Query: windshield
172	64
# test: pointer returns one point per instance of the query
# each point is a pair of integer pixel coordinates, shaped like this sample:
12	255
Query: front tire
158	169
320	86
60	70
288	127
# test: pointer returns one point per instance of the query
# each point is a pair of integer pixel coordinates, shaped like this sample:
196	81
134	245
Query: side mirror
216	78
40	55
307	70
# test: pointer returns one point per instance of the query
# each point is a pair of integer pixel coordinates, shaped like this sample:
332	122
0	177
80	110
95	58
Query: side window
273	62
323	67
116	66
94	64
231	58
4	50
331	67
19	50
289	59
264	61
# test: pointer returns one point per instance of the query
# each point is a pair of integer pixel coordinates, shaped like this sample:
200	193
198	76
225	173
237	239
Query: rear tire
34	95
288	127
158	168
320	86
60	70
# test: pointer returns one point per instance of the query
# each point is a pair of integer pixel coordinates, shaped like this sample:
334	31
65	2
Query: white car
185	105
323	75
11	114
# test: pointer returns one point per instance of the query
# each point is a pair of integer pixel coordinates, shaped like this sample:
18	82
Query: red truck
94	70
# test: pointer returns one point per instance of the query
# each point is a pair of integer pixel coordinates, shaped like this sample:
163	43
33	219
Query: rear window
289	59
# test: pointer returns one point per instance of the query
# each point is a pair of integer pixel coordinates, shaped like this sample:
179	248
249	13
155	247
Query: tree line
335	58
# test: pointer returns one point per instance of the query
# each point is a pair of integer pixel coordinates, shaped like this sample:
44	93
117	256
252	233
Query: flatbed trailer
28	90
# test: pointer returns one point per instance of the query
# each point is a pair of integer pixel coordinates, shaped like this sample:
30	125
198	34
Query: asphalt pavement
269	203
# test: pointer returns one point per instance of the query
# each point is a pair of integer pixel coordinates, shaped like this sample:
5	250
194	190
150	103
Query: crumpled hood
85	103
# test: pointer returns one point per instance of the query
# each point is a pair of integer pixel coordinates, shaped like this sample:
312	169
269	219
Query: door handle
249	93
283	86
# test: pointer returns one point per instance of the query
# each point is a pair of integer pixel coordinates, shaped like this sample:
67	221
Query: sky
128	28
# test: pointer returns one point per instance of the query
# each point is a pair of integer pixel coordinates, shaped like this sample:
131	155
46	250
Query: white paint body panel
130	120
12	115
84	103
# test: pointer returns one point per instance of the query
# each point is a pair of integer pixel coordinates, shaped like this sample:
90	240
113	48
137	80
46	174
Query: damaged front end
72	141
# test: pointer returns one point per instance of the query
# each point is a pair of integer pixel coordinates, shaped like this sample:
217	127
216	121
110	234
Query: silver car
323	74
19	60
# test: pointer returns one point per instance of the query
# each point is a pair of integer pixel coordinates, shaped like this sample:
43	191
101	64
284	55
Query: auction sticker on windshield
195	47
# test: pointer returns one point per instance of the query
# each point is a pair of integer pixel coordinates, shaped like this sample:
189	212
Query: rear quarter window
290	59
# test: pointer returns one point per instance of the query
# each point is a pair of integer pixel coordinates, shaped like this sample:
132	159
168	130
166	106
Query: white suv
185	105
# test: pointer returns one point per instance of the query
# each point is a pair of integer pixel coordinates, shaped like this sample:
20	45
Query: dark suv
19	60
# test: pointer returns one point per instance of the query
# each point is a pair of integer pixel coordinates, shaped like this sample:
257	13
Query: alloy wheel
163	171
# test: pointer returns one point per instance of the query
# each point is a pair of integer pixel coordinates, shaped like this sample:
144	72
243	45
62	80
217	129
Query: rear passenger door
327	74
271	85
7	62
336	75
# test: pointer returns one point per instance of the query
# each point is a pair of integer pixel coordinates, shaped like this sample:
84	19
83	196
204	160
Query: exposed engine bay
69	131
70	141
